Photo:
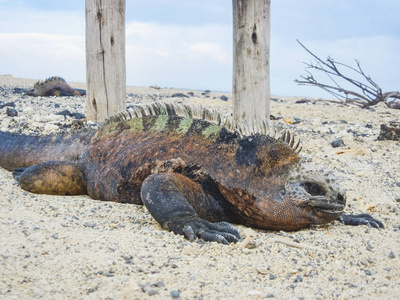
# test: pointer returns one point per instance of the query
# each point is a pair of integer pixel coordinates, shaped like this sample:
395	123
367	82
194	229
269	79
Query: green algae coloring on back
194	170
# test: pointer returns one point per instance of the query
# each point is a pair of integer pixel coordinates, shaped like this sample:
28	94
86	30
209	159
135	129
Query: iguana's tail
25	150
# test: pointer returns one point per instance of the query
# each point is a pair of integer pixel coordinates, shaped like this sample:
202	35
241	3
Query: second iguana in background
193	175
54	86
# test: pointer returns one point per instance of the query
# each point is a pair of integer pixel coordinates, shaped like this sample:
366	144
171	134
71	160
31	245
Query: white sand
58	247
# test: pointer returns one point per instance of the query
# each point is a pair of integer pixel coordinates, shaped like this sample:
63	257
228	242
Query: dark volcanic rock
224	98
10	104
302	101
12	112
390	131
181	95
18	90
337	143
68	113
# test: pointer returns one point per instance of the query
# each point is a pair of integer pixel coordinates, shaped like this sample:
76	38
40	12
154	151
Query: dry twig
369	93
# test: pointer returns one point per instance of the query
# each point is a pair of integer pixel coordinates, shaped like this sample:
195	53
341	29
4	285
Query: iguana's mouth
321	204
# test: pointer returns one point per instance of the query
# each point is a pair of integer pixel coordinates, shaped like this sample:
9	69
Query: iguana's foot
361	219
191	227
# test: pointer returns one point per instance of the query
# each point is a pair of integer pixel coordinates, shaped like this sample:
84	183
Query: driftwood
369	93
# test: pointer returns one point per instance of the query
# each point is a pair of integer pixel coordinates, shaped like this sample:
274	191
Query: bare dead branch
370	92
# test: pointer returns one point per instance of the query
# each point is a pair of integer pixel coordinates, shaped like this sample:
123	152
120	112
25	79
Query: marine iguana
54	86
193	175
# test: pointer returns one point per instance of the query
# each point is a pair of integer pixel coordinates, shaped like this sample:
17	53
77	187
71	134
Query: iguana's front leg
170	198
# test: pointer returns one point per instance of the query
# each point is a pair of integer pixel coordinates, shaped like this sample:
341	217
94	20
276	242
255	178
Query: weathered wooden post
251	41
105	58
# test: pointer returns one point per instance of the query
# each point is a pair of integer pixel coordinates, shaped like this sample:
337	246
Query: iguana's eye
313	188
282	191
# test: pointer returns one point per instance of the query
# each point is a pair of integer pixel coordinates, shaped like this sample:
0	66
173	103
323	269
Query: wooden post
105	58
251	40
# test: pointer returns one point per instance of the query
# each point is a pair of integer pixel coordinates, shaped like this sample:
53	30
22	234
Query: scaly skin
189	173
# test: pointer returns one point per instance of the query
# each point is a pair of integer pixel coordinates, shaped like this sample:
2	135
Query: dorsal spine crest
188	116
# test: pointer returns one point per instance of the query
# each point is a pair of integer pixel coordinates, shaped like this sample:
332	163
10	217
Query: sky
188	43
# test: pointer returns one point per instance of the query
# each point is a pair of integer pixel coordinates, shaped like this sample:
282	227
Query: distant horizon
189	43
179	88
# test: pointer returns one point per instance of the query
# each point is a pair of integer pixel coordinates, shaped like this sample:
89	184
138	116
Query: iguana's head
312	196
279	191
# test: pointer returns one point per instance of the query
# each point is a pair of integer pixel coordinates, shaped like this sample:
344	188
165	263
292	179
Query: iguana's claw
361	219
188	233
221	232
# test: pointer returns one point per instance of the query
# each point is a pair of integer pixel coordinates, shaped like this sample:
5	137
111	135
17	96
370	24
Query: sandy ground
58	247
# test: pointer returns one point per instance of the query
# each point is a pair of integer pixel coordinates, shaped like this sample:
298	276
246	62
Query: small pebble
392	255
298	279
159	284
175	294
367	272
110	273
224	98
152	292
12	112
263	270
296	121
89	224
337	143
24	124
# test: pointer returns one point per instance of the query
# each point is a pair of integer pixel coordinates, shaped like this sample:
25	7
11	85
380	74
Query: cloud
40	43
172	38
39	55
27	44
166	55
22	19
180	56
211	51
